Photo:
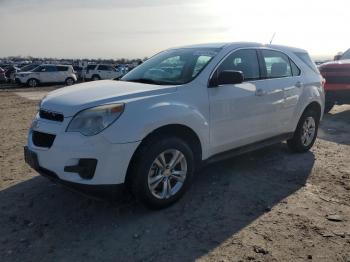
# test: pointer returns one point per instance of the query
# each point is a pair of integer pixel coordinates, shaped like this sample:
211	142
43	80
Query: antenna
273	36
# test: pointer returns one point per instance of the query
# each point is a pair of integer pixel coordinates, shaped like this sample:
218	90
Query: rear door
62	73
284	87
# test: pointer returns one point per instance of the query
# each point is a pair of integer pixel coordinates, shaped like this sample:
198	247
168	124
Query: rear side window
245	60
307	60
277	64
62	68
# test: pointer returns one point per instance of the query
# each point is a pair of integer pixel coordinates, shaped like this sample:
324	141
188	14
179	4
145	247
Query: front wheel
162	171
306	132
33	82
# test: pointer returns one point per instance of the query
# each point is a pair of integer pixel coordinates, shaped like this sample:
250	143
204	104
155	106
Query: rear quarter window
307	60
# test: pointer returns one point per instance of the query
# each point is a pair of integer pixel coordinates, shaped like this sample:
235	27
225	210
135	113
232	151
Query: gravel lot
270	205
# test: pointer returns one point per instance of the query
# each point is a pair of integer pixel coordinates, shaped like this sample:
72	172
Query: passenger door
285	84
105	71
240	114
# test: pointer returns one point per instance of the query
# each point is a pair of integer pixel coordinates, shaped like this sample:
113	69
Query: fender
311	93
155	115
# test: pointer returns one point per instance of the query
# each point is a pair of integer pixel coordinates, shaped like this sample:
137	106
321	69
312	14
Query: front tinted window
245	61
62	68
276	63
104	68
50	68
90	67
172	67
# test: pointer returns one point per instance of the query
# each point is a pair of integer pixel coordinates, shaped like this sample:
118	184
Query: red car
337	75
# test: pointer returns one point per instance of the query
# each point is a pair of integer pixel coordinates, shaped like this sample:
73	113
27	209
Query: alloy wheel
308	131
167	174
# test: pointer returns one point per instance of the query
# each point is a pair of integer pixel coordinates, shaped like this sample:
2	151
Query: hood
72	99
338	63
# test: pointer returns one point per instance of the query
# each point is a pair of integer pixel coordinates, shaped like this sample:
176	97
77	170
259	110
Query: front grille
51	115
337	79
42	139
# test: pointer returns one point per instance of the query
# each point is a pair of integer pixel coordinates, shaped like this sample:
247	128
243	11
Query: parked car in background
29	67
47	74
3	77
156	126
337	75
11	72
78	71
99	71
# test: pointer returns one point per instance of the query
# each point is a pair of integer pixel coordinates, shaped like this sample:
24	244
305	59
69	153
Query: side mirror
227	77
337	57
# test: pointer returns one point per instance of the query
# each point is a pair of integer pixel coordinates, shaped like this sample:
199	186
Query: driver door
240	114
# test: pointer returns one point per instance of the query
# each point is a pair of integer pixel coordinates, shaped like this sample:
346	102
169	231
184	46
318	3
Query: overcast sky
135	28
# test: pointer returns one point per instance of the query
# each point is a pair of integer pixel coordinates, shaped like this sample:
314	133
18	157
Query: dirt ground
270	205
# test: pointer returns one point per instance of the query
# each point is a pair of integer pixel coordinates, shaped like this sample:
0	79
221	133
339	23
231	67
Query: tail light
323	82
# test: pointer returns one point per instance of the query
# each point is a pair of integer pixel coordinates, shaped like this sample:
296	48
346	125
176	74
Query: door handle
299	84
260	92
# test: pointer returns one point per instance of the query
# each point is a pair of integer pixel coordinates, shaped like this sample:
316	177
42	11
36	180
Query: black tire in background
32	82
298	143
69	81
142	163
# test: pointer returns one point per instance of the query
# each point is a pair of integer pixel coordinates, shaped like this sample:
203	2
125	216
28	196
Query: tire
32	82
306	132
150	179
69	81
328	106
95	78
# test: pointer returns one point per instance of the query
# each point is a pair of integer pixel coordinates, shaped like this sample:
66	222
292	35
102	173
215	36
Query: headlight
92	121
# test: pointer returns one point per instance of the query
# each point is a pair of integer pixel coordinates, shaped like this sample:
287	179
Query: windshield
346	55
37	69
172	67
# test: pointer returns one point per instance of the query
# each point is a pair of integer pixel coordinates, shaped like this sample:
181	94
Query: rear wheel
69	81
162	171
33	82
306	132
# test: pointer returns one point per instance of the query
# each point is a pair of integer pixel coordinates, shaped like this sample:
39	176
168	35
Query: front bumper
64	157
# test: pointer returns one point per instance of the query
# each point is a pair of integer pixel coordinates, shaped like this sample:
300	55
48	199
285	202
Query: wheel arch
178	130
34	79
315	106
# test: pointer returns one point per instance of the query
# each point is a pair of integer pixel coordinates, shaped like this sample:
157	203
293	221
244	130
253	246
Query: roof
243	44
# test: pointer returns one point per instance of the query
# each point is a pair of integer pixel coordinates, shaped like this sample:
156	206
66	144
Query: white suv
99	72
45	74
183	107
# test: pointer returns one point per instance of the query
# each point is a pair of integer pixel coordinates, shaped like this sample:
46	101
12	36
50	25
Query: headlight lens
92	121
